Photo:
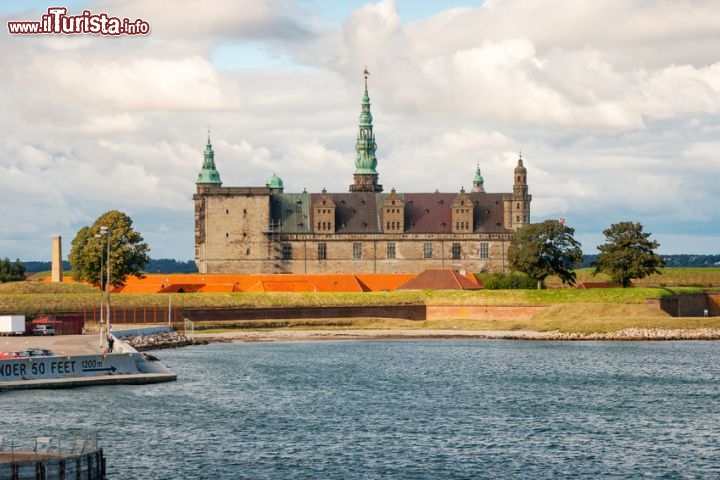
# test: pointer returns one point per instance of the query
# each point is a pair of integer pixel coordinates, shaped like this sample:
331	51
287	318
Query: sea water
401	409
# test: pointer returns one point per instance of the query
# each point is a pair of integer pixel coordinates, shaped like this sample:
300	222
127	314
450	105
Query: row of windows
455	250
324	226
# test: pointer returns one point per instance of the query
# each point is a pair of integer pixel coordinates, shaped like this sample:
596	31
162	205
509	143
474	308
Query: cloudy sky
615	106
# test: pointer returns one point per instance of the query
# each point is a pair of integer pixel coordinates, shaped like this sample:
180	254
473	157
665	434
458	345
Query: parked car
44	330
22	354
39	352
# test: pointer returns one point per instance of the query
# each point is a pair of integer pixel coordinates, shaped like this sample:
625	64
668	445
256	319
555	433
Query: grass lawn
568	309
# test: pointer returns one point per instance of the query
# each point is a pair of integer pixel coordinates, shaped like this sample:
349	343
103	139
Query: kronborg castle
263	229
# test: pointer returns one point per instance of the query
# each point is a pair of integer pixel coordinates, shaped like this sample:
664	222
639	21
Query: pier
48	458
77	360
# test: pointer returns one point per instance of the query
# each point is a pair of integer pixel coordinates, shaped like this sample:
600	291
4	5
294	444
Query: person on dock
110	342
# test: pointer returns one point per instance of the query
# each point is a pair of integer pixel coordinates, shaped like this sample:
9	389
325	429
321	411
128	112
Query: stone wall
691	305
408	312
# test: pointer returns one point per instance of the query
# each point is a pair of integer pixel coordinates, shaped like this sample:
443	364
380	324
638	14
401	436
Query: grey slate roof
360	212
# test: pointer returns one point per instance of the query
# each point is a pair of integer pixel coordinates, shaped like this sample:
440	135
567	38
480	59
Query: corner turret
478	182
208	173
275	184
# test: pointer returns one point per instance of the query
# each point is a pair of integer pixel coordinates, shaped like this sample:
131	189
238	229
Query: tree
128	250
544	249
11	272
627	254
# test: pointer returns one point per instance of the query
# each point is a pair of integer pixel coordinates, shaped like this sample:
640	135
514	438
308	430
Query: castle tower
208	173
365	176
478	182
517	205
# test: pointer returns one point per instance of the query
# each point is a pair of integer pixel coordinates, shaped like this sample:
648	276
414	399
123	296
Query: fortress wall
481	312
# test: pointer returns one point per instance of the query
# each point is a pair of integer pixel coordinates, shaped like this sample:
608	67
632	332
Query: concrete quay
77	360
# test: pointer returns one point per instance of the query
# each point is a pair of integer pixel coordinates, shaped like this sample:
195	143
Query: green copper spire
478	182
365	161
208	173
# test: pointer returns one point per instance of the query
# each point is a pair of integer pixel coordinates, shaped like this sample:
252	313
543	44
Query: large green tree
128	250
627	254
543	249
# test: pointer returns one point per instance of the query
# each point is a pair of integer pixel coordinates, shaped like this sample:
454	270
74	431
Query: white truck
12	324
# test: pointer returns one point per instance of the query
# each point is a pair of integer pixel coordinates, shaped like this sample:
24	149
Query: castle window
244	211
322	251
518	206
227	211
517	218
391	250
227	235
388	226
319	226
247	252
357	250
484	250
427	250
456	251
286	251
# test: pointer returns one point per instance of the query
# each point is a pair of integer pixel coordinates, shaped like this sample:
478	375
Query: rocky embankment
160	340
624	334
174	340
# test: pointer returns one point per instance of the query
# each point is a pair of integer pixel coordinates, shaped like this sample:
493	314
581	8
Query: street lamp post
102	290
106	232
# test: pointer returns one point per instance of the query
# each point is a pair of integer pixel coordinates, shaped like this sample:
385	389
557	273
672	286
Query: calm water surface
402	409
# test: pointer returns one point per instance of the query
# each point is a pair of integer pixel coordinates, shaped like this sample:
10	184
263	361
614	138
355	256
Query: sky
615	106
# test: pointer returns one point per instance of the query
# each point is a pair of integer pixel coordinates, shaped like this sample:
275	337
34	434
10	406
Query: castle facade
263	229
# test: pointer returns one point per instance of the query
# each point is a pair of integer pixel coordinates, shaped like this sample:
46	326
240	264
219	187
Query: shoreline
628	334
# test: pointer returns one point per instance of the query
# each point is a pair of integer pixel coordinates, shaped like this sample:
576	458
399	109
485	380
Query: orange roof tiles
439	279
225	283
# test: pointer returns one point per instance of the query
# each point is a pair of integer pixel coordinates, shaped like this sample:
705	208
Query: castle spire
365	161
208	173
478	182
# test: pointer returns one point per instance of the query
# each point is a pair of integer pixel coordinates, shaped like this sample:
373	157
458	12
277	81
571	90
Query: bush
508	281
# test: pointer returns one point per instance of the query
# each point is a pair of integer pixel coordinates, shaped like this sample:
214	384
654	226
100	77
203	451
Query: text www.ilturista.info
58	22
